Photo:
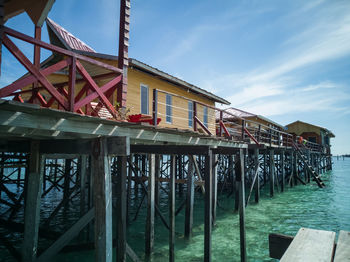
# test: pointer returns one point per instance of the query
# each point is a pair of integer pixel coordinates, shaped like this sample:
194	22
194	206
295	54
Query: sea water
301	206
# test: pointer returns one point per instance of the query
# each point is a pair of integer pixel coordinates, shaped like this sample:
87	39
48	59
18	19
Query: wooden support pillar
231	172
82	172
189	201
208	206
257	181
239	171
265	167
2	14
296	168
180	173
2	171
157	175
149	243
102	200
283	172
121	208
67	173
214	186
307	174
172	208
272	172
128	197
32	204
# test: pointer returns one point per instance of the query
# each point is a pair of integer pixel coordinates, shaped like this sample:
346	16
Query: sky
285	60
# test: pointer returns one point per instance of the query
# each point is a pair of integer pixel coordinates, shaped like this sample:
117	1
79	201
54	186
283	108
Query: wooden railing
61	95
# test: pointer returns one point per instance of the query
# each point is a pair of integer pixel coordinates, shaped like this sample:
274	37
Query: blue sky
286	60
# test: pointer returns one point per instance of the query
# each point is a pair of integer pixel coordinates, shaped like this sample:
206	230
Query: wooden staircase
309	167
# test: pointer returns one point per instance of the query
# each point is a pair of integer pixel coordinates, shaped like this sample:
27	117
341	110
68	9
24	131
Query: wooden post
128	199
2	14
150	207
214	186
220	126
121	208
155	107
243	126
282	171
208	207
102	200
257	181
239	171
82	166
265	167
307	174
231	172
194	116
272	173
189	200
67	173
32	203
172	208
296	168
157	175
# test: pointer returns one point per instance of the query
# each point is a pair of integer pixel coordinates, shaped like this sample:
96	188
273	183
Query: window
169	108
205	116
190	113
312	139
144	99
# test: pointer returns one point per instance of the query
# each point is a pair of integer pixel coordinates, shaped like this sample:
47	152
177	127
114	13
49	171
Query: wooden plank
48	254
208	207
278	244
32	203
121	208
172	209
149	232
310	245
189	200
102	200
342	252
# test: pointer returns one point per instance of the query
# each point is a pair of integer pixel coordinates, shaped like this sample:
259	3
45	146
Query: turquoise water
301	206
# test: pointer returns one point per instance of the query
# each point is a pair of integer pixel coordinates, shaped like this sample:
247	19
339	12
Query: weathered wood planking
310	245
342	253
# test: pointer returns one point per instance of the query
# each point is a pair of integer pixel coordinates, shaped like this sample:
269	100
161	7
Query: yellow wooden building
175	96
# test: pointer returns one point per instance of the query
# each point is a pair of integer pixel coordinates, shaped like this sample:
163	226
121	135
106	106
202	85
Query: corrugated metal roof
69	39
71	42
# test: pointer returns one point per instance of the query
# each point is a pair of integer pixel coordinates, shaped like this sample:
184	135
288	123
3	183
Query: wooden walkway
313	246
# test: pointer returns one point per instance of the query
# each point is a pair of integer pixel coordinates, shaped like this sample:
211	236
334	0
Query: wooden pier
68	139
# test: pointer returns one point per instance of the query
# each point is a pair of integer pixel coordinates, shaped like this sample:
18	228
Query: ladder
310	169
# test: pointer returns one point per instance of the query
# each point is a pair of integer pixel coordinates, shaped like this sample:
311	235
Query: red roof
72	41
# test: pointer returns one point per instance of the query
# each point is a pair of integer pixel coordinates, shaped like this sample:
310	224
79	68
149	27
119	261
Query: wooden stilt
67	174
257	180
172	208
102	201
208	207
150	207
82	167
128	197
296	168
272	173
121	208
157	175
189	201
265	167
239	171
214	186
282	171
32	204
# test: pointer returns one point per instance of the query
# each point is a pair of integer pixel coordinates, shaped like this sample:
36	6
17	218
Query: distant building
312	133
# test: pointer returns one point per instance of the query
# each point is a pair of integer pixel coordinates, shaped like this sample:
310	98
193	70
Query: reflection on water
301	206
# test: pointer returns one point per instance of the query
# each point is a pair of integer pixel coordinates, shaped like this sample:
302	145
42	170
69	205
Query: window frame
147	100
170	108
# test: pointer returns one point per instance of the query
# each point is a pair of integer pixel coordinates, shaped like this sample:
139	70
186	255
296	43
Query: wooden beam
172	208
257	182
63	240
239	171
121	208
283	171
208	207
149	243
102	200
189	200
32	204
272	172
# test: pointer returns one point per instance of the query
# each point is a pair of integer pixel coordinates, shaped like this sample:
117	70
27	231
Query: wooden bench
311	245
342	253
